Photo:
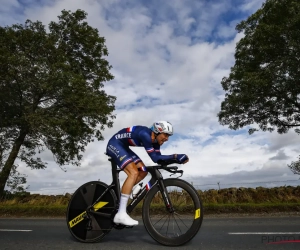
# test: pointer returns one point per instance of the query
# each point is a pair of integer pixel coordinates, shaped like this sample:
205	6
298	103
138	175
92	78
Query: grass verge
32	211
25	210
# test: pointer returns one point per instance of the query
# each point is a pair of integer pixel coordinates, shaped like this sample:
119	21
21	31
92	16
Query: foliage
16	182
51	93
295	166
263	86
229	200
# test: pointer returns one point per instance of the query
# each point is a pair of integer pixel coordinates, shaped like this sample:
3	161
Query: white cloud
168	63
7	11
250	6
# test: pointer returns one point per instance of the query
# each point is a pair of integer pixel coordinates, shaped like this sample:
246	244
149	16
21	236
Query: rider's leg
142	174
132	176
122	217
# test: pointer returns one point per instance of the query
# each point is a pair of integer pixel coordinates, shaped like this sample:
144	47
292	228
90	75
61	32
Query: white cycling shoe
125	219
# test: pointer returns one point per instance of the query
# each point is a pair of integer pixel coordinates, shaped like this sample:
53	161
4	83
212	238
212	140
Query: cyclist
118	149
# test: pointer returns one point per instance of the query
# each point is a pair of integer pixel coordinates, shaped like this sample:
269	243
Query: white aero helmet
162	127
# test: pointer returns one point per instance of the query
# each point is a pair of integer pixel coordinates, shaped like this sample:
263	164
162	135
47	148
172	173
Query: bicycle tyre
195	207
76	216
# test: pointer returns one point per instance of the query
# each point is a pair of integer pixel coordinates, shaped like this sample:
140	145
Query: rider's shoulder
142	129
144	132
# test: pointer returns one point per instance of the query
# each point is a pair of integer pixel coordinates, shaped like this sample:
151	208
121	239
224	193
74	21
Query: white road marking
14	230
260	233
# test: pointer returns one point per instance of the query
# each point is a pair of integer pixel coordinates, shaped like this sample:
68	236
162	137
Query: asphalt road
215	233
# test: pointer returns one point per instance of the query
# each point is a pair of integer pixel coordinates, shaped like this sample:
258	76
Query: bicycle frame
156	179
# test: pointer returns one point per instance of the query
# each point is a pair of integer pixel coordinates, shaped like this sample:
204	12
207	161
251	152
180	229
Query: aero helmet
162	127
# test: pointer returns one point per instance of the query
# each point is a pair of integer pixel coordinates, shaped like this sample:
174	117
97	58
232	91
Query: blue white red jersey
139	136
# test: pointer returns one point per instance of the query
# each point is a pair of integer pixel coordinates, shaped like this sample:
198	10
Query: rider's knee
135	173
143	174
132	171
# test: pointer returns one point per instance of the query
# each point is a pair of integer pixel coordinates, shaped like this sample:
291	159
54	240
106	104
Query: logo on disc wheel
81	217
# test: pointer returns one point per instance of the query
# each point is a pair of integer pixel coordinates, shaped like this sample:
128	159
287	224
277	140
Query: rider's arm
154	153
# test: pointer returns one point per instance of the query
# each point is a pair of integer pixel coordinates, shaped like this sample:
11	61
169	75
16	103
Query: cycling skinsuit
136	136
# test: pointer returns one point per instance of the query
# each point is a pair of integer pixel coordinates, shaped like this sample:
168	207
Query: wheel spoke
176	224
168	227
162	225
160	219
181	219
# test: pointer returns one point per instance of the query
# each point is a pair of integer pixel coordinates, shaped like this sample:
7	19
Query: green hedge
32	211
53	211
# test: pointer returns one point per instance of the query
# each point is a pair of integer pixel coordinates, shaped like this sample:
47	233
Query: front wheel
180	226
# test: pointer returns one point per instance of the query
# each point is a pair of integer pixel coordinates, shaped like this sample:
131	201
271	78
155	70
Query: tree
263	86
16	180
51	92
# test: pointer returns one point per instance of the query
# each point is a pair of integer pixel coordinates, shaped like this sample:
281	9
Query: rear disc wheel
94	225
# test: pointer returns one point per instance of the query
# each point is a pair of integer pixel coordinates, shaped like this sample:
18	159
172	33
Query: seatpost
115	176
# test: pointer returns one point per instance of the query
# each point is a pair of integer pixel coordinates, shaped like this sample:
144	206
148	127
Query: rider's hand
181	158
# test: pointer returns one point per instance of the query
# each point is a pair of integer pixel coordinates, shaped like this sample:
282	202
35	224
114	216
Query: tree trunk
4	174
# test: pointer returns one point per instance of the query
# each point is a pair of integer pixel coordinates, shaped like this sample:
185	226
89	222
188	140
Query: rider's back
134	136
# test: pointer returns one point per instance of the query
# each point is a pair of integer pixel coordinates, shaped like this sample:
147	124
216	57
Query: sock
123	203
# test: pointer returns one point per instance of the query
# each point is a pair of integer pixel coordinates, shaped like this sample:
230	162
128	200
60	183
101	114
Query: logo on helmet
162	126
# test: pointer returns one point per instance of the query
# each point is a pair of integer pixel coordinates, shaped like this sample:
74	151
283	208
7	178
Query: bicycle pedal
119	226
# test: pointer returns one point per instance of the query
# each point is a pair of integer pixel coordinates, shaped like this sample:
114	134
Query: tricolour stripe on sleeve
150	150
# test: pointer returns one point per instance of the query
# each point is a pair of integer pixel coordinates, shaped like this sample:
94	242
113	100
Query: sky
168	59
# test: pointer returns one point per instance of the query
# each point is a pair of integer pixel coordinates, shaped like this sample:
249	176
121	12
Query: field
231	200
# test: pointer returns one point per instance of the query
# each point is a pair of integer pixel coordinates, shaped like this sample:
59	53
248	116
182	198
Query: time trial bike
172	210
